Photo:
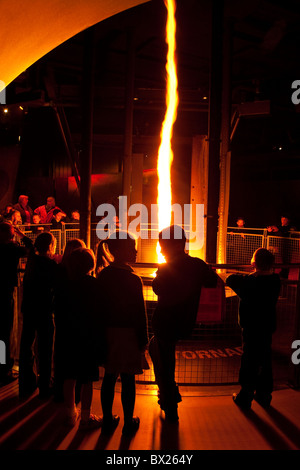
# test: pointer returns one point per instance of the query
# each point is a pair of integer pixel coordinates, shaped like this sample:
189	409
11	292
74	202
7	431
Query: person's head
16	218
119	247
285	220
75	215
58	215
8	209
36	219
240	222
7	232
172	241
71	246
23	200
50	202
45	244
263	260
80	263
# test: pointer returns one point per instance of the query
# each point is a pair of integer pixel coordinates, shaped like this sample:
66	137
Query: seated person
75	217
36	226
57	221
16	218
73	222
6	214
46	211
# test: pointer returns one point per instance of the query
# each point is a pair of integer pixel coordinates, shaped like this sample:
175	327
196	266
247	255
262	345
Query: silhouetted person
258	293
37	308
178	285
10	254
125	328
83	334
61	317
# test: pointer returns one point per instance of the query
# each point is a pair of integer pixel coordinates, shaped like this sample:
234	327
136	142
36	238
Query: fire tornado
165	153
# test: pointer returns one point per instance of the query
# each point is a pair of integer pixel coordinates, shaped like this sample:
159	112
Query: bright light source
5	110
165	153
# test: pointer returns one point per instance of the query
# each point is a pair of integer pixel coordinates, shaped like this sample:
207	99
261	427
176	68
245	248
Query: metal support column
214	128
225	159
129	97
87	137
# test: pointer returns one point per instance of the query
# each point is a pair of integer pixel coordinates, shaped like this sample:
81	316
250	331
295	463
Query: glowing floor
209	420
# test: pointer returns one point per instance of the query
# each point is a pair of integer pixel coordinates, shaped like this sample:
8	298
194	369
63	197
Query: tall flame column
165	153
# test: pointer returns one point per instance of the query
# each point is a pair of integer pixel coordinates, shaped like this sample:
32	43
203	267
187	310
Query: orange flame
165	153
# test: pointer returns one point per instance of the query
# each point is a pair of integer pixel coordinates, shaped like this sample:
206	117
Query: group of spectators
88	310
280	230
283	230
95	306
48	214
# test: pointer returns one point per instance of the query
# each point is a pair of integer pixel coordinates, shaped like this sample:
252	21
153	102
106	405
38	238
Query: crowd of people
283	230
88	310
47	216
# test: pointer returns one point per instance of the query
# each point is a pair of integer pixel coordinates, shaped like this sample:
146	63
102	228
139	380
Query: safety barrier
212	354
240	246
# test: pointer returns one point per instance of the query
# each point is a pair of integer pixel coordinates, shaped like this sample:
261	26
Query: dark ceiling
266	55
265	61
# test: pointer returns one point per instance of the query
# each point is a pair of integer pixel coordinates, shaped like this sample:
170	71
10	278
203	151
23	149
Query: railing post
295	368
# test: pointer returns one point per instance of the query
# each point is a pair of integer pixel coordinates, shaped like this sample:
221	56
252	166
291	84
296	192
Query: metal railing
212	354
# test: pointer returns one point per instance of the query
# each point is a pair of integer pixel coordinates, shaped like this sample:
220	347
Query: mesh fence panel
285	250
212	355
241	246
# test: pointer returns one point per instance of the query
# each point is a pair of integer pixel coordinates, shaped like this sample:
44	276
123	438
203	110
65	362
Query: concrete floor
209	420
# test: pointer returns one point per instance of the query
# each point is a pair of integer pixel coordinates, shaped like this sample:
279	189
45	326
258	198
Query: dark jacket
122	300
19	208
178	287
258	297
10	254
82	324
38	286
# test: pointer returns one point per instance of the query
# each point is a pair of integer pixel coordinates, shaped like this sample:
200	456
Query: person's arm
28	243
161	283
142	330
156	283
236	283
210	277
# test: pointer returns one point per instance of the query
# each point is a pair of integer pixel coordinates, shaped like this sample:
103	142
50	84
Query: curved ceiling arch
32	29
